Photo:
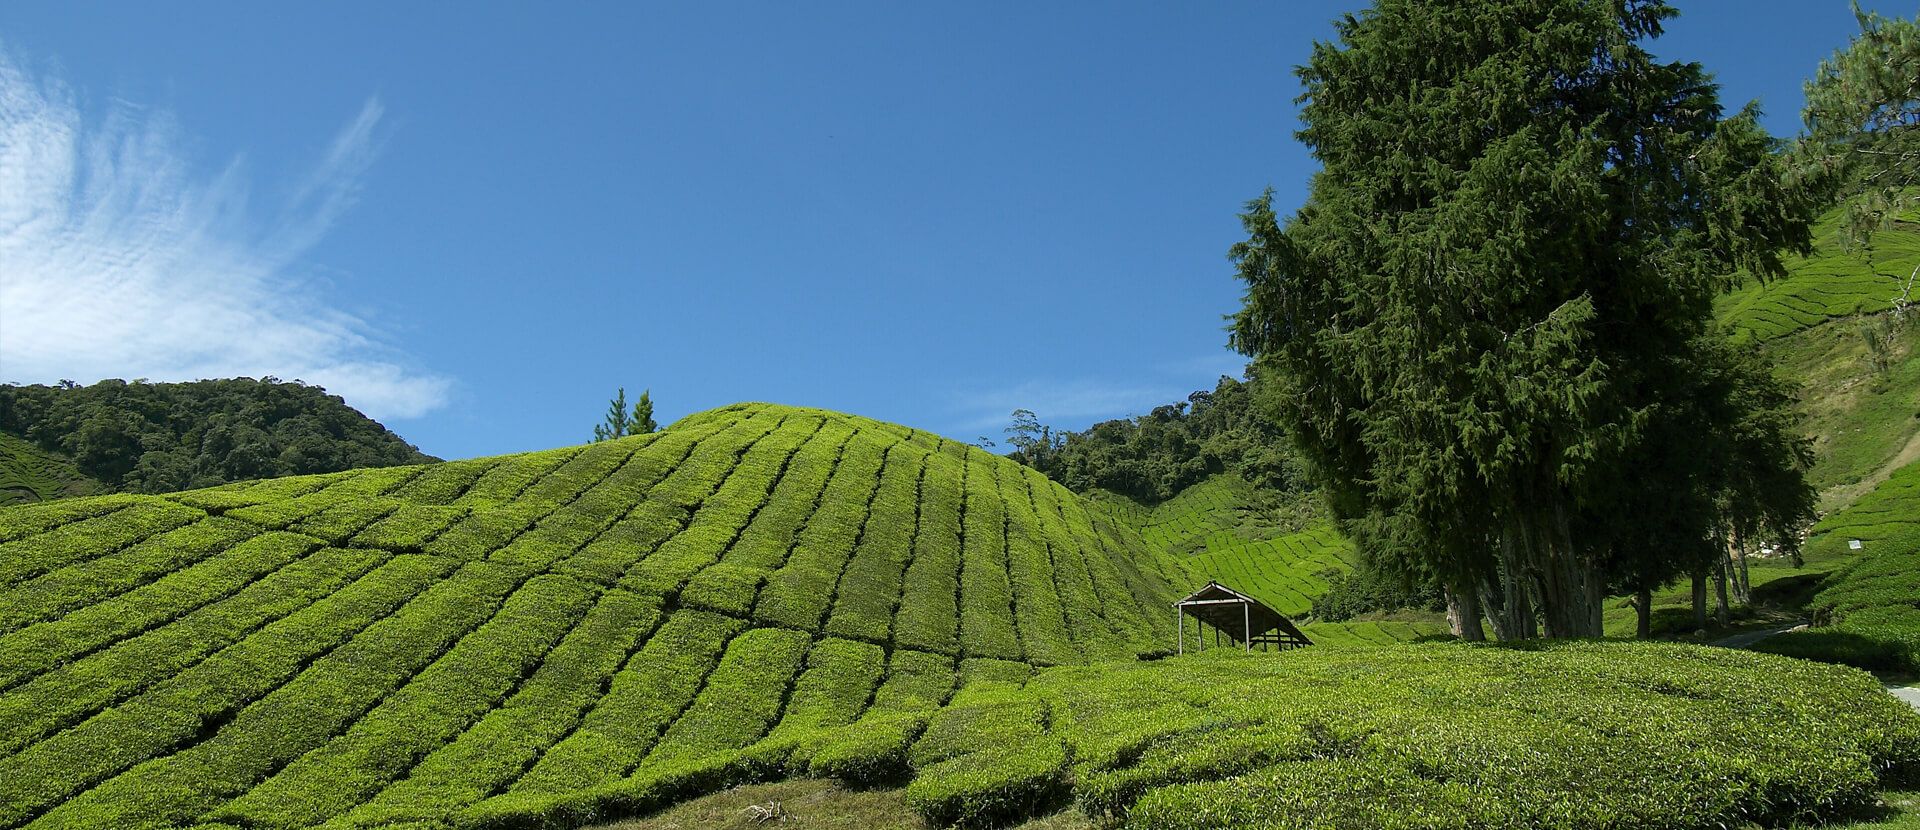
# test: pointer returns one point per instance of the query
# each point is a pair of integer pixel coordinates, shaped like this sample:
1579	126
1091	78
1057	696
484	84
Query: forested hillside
161	437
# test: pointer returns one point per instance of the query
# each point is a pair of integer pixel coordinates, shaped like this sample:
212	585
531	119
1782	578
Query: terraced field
1890	509
28	475
1869	608
1373	633
1223	532
1829	283
548	636
1285	572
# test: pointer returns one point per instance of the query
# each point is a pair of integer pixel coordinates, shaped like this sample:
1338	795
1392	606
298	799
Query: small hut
1241	618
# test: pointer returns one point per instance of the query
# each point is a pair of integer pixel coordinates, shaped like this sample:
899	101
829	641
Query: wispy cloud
119	260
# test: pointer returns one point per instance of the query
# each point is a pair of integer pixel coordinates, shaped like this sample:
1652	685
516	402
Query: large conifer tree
1481	320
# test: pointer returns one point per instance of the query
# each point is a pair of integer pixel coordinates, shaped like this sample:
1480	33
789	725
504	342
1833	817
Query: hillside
410	642
1861	404
1229	530
1832	282
142	437
760	592
30	474
1867	607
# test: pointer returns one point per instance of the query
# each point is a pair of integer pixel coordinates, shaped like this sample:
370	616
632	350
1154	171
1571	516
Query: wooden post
1246	619
1180	628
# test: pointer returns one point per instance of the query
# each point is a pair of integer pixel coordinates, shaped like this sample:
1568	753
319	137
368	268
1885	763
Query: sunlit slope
1829	283
495	635
1223	529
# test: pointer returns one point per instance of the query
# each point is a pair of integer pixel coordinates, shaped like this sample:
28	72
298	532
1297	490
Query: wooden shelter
1241	618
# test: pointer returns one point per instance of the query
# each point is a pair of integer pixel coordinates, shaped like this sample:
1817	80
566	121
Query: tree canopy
1863	124
1487	318
160	437
1153	457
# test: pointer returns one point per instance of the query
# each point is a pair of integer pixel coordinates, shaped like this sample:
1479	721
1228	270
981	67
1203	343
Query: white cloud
118	260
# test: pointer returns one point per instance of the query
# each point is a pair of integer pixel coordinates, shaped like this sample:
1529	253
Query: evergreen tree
1863	106
621	422
1480	323
616	421
642	421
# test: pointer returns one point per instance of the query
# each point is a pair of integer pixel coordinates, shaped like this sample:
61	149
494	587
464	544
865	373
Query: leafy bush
1567	735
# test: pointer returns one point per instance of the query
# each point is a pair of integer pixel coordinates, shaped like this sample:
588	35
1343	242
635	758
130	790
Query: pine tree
642	421
621	422
617	423
1480	322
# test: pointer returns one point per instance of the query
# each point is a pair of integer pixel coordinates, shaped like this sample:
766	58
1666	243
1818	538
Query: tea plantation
1870	607
29	474
415	642
1831	282
554	638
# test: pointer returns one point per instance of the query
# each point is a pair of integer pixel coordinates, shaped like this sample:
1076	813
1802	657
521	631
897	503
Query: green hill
1861	408
1832	282
1243	536
1869	607
29	474
413	642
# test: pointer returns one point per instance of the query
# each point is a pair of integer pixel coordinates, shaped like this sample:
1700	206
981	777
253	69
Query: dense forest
1153	457
141	437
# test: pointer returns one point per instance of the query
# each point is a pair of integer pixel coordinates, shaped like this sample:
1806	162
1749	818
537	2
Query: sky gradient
474	222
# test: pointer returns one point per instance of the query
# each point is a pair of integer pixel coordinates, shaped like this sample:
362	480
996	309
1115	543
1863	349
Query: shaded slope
29	474
502	635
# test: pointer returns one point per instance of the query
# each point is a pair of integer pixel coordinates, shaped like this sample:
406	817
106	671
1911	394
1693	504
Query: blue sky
475	221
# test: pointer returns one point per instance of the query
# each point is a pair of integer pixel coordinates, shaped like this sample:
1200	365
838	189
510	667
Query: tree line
1153	457
142	437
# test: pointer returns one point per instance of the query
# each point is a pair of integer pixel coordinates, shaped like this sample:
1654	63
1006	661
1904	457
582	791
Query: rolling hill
410	642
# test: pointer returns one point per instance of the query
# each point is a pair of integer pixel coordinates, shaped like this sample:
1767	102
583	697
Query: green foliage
1351	593
1159	455
1489	315
144	437
1860	111
1465	736
621	422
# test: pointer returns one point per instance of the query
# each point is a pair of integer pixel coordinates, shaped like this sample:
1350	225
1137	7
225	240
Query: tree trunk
1736	568
1746	580
1720	581
1568	584
1643	609
1699	600
1463	615
1495	601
